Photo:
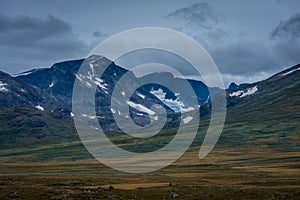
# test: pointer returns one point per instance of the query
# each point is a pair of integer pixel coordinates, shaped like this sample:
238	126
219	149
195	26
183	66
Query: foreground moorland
231	173
254	159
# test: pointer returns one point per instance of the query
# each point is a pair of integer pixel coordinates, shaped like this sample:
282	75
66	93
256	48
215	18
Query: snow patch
89	76
72	114
236	94
155	118
100	83
250	91
140	95
40	107
88	116
94	127
176	105
187	109
241	93
123	93
187	119
286	73
51	85
92	80
78	77
88	84
25	73
140	107
92	67
2	88
160	94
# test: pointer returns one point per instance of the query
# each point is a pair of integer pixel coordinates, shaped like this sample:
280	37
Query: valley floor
230	173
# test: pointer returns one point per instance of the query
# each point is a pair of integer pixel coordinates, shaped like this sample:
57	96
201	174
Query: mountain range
37	104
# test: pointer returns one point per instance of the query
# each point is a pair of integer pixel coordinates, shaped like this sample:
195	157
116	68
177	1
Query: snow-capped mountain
50	89
58	81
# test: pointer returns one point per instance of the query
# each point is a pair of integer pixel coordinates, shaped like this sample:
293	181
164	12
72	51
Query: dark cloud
250	57
289	29
36	41
198	13
253	60
27	31
200	22
242	58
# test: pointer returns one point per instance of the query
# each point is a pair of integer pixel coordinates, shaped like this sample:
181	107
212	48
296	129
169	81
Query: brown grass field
226	173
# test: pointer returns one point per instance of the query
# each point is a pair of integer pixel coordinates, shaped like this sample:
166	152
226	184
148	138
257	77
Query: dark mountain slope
57	80
14	92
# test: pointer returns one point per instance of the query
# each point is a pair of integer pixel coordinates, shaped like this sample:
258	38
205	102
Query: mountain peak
97	57
232	86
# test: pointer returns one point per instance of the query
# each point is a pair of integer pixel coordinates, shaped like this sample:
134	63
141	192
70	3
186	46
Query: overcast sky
248	40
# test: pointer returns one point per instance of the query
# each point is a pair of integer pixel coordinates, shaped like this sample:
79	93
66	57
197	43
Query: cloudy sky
248	40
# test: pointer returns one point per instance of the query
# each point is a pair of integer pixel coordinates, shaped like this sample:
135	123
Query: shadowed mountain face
51	90
14	92
58	81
